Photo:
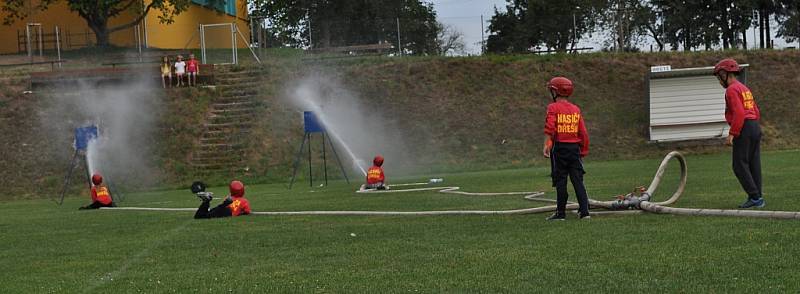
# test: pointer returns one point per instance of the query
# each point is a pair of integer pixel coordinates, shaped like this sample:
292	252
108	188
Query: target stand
312	125
83	135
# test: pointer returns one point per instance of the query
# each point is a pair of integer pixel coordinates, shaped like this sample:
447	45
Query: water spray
332	131
311	125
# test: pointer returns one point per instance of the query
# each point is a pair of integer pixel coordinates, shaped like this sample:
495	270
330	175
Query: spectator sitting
166	72
192	70
180	69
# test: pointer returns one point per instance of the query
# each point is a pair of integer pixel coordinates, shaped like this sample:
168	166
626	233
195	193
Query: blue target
311	123
83	135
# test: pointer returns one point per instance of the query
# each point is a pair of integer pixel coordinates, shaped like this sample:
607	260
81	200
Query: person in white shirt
180	70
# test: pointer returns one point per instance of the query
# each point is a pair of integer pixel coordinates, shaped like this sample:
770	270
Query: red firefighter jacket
101	194
564	124
739	105
375	175
239	206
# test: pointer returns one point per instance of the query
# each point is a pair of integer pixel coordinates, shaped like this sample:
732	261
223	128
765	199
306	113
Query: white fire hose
631	203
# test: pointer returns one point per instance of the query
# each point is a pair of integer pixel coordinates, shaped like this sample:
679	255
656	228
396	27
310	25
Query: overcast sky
465	16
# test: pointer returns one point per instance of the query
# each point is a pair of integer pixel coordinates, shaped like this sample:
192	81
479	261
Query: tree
450	41
788	15
526	24
331	23
97	13
688	22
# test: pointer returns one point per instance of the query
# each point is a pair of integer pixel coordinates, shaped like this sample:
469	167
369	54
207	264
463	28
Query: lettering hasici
747	97
374	174
568	123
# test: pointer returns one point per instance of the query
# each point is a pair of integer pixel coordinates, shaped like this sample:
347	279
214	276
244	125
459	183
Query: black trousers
565	160
219	211
747	158
96	205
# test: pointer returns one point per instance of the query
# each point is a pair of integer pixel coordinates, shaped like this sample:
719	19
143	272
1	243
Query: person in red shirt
566	142
375	176
101	197
233	205
192	70
742	114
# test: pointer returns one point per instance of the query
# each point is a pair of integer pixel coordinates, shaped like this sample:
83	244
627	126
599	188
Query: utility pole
399	45
483	41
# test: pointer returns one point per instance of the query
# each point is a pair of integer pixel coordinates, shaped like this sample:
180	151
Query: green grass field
48	248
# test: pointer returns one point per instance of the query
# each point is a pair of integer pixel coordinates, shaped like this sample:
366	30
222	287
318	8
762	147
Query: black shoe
556	217
753	203
585	216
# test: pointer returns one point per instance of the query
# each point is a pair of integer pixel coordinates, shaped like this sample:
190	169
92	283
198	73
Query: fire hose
635	202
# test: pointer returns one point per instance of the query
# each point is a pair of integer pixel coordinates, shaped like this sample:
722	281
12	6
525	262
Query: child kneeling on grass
375	177
566	142
100	195
233	205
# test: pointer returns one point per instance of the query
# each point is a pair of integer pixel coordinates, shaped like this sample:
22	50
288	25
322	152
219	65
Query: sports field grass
47	248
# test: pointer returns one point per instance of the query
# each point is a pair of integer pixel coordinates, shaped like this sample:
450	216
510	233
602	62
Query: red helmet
378	161
728	65
97	179
561	85
237	189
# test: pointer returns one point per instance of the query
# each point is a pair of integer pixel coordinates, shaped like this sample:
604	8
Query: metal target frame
203	46
234	46
38	31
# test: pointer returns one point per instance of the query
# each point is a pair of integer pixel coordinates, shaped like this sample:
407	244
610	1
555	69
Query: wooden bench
105	75
51	62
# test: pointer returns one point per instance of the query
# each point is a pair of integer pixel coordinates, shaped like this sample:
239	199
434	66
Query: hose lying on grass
631	203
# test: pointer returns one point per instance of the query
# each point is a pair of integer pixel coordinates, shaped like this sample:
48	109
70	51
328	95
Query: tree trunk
325	34
767	31
744	38
100	30
761	29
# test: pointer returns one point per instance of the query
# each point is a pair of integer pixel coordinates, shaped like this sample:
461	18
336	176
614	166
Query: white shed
686	104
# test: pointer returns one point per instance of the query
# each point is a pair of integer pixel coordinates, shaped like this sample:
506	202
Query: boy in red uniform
742	115
566	142
233	205
100	195
375	176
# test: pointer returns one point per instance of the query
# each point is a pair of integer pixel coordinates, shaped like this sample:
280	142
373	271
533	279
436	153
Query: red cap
728	65
561	85
378	161
97	179
237	189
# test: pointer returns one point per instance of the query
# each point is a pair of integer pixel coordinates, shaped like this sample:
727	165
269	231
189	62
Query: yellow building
75	33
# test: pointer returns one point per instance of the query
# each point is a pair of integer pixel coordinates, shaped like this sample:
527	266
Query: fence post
58	47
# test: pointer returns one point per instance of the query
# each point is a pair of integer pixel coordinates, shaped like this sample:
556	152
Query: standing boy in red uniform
233	205
100	195
566	142
375	176
742	115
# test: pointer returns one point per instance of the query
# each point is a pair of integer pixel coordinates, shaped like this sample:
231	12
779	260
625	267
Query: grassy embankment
457	114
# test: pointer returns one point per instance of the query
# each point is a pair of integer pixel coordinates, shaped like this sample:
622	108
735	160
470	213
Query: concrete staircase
231	116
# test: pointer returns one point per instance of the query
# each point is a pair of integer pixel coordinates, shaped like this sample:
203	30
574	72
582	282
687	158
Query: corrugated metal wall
686	108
